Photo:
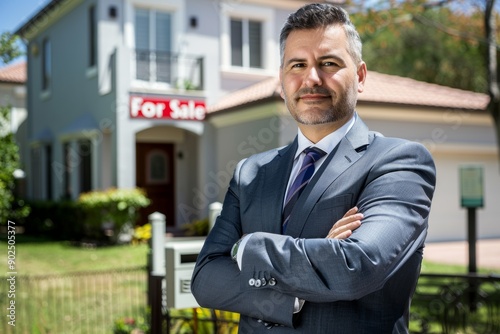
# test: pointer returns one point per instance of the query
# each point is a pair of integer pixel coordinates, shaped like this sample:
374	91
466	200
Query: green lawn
42	257
432	268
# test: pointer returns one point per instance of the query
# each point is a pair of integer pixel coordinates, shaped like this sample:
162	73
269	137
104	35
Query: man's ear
361	73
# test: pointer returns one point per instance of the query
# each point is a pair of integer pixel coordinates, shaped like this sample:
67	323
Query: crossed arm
343	228
395	209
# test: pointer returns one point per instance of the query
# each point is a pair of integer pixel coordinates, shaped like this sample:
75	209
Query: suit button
263	281
258	283
251	282
272	281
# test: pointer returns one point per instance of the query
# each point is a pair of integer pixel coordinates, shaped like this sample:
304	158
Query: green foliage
8	47
196	228
182	321
10	207
112	206
51	219
427	43
127	325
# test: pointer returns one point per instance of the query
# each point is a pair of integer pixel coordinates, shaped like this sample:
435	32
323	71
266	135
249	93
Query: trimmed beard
313	115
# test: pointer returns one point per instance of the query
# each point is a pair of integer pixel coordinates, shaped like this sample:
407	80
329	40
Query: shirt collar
329	142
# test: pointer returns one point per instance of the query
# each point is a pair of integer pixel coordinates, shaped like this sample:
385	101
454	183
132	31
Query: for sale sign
165	108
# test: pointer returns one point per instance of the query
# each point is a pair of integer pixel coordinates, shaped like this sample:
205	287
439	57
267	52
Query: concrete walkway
457	252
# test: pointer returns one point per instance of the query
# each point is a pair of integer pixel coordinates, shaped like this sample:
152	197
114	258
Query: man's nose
313	77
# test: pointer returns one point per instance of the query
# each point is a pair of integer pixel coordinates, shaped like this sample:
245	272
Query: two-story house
135	93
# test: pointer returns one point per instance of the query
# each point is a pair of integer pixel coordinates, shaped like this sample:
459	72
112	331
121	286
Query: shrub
59	220
10	206
196	228
111	210
131	326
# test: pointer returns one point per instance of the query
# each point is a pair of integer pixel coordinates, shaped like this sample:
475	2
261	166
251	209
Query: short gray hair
322	15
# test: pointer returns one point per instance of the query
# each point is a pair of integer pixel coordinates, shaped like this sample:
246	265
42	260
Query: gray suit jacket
363	284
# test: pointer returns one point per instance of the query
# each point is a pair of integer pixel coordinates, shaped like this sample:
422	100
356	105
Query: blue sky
14	12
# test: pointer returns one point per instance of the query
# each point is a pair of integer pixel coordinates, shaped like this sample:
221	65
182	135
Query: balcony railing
178	70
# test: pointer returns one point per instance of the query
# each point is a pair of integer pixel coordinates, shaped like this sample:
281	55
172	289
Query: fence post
157	274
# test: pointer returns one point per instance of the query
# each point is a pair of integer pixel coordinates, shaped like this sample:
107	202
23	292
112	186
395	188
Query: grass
55	293
43	257
429	267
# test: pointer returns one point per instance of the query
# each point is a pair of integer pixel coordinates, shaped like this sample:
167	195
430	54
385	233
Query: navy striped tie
300	182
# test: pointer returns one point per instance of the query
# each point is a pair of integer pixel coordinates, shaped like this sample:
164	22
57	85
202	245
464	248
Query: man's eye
329	63
298	65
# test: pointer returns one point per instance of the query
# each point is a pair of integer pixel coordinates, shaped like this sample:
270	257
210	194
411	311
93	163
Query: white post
214	210
157	243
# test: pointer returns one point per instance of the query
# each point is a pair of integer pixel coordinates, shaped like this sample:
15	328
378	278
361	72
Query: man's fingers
351	211
347	220
343	235
339	232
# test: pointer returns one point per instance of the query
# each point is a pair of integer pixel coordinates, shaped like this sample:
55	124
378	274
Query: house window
92	37
157	167
246	43
46	65
153	30
85	153
36	173
67	171
41	171
48	171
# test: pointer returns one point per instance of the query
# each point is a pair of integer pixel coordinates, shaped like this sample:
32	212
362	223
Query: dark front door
155	174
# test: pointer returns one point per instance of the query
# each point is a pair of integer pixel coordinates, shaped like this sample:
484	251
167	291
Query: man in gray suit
283	266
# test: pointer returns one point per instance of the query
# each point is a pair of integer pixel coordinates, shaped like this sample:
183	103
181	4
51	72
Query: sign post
472	197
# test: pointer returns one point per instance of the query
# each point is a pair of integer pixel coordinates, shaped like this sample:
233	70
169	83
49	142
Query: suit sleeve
217	281
395	201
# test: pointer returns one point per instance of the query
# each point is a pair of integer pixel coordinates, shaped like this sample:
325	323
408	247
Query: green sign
471	186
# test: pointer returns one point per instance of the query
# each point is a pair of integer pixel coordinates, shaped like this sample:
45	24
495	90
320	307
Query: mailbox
180	259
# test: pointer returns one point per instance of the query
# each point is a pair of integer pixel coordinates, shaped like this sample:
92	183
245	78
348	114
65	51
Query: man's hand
343	228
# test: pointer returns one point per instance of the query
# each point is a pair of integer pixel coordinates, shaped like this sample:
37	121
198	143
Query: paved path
457	252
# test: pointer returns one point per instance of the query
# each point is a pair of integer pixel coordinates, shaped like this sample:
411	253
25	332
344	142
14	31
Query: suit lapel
347	152
276	175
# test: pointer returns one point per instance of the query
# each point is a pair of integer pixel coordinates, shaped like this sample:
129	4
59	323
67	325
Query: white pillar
157	221
214	210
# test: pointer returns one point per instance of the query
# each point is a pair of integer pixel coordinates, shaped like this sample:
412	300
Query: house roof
41	15
379	88
14	73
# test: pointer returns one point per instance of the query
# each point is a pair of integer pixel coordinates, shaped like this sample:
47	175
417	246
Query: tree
413	39
492	65
8	48
448	42
9	151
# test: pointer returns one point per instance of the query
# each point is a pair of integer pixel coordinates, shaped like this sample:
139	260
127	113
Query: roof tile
14	73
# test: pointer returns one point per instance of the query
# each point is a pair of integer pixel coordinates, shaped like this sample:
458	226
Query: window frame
269	42
46	64
92	36
85	166
245	43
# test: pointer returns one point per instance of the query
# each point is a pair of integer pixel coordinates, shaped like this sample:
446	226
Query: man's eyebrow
295	60
332	56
